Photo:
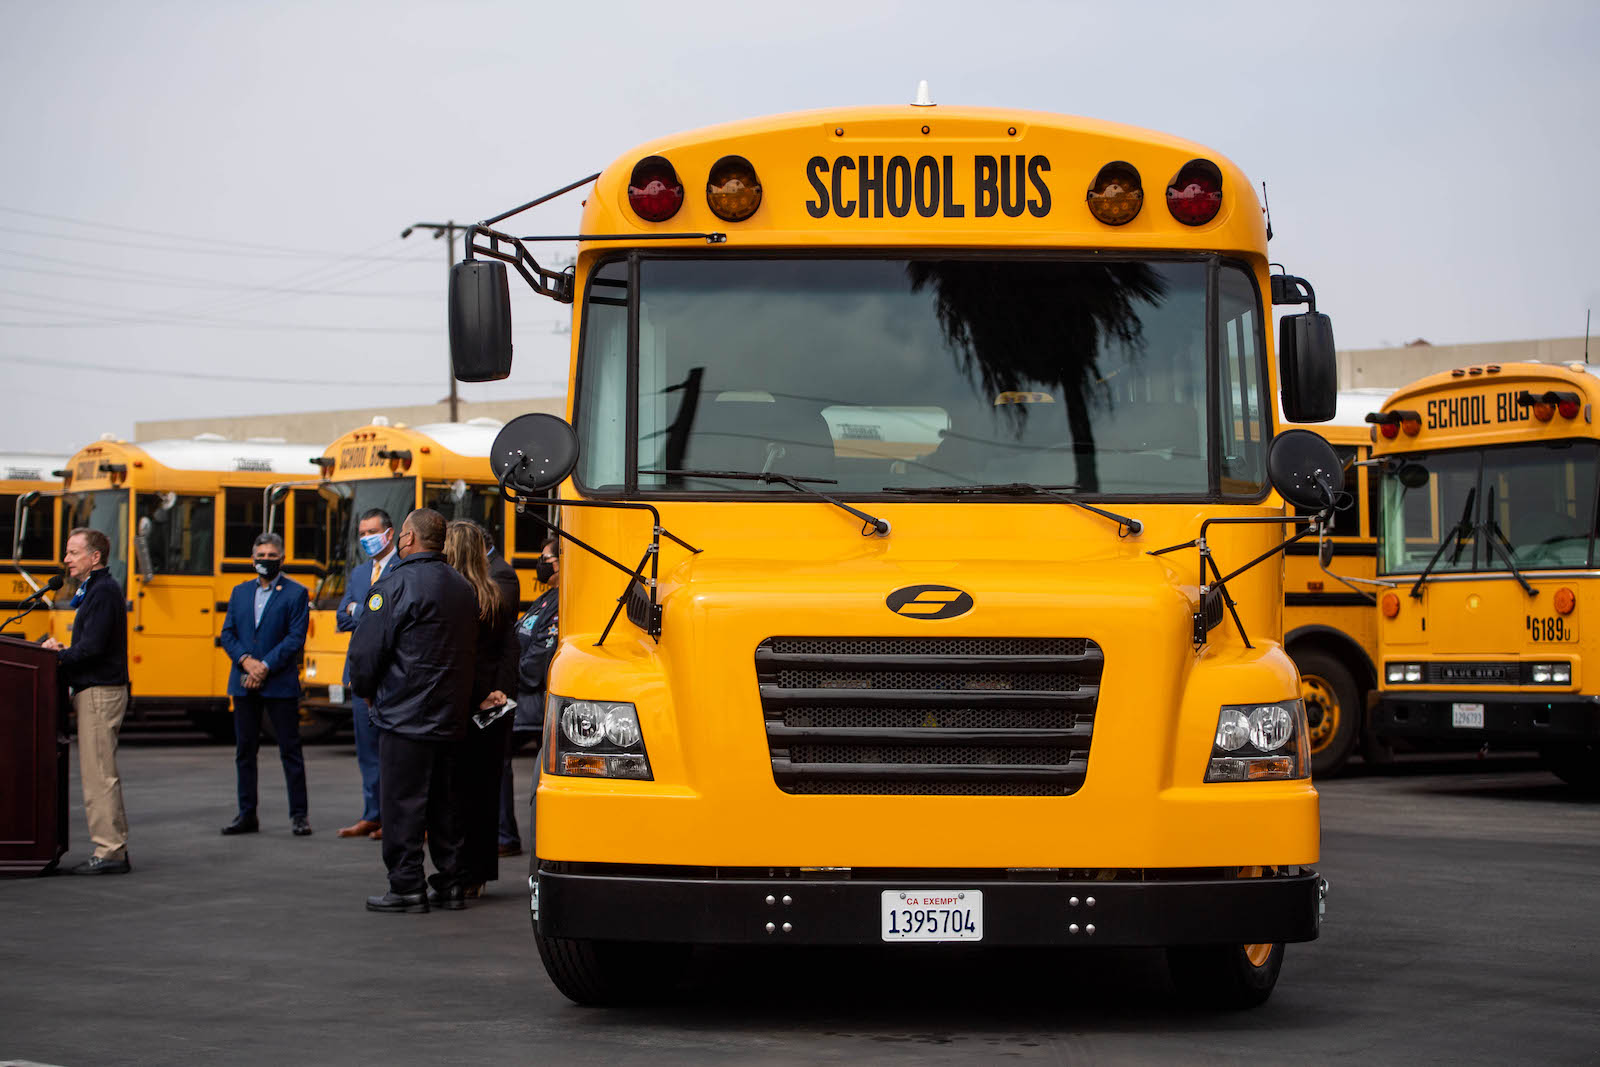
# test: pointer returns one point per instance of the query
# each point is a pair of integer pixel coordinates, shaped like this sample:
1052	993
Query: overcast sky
200	203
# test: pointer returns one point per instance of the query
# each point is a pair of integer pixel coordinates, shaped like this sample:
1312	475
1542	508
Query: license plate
336	694
932	915
1467	716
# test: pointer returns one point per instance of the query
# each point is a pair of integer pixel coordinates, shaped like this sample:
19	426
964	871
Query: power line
218	250
148	233
108	368
121	279
144	317
102	322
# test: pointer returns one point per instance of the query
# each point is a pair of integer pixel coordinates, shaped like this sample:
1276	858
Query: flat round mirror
1304	469
539	450
1412	475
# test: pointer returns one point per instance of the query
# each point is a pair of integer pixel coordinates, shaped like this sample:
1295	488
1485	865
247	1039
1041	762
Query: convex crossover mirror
1304	469
533	453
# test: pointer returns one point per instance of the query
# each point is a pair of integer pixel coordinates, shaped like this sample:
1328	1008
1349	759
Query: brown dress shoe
360	828
377	835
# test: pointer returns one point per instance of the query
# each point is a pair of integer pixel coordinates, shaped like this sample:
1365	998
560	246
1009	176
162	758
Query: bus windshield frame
351	498
98	510
1485	482
942	318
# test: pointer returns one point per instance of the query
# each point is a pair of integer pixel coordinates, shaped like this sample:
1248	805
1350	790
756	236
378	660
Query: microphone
55	582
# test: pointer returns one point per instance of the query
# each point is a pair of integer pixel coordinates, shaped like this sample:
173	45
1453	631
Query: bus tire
216	725
1577	764
1333	709
1230	977
601	973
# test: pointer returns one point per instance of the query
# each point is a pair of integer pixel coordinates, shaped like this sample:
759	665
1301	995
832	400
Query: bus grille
967	716
1480	673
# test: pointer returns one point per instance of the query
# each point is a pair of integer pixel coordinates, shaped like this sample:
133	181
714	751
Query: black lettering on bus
814	168
897	186
1433	414
952	210
927	187
872	185
1037	166
1012	206
842	207
1500	408
985	193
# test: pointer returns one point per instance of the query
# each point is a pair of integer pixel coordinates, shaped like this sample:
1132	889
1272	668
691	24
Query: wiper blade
1497	539
1459	531
872	524
1125	526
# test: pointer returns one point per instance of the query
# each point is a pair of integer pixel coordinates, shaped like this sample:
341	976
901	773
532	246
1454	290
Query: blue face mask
372	544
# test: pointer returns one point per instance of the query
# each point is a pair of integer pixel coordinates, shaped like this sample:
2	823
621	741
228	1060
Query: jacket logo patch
375	601
929	602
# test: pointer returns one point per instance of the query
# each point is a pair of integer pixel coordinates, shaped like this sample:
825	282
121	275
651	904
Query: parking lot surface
1463	926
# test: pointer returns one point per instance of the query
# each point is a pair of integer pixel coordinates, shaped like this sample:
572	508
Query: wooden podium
33	760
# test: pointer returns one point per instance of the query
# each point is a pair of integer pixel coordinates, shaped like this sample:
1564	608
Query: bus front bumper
681	908
1473	719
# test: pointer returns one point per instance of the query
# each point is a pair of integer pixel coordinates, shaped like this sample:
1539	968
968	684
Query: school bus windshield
1535	501
105	510
890	373
397	496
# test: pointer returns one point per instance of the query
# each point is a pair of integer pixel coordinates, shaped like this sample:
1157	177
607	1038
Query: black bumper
1524	719
799	911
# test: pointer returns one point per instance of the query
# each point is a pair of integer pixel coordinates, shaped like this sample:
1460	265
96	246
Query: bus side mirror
1304	469
141	553
480	321
533	453
1307	367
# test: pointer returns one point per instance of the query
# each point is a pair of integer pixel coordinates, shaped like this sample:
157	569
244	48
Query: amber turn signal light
1391	605
1116	195
733	192
1566	600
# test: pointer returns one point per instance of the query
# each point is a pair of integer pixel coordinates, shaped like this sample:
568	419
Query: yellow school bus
444	466
1488	484
1329	626
182	517
907	434
22	473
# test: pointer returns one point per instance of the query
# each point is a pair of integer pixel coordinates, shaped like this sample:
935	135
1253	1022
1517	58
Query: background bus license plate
932	915
1467	716
336	694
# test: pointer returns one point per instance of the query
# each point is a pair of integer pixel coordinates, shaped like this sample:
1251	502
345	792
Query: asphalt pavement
1463	926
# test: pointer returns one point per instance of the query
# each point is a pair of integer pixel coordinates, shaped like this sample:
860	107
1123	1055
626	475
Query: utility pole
447	230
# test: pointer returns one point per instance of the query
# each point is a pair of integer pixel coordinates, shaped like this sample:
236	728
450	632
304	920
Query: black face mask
268	568
544	570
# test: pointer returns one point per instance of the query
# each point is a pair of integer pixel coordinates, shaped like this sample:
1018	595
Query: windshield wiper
872	525
1125	526
1497	539
1459	531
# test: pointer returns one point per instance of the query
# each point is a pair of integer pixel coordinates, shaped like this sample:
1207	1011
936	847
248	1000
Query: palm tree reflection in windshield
1026	326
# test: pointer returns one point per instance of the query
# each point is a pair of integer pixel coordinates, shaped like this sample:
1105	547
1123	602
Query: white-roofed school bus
917	467
182	517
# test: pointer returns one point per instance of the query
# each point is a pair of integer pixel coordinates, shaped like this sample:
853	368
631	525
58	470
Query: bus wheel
217	725
609	972
1333	710
1576	763
1225	976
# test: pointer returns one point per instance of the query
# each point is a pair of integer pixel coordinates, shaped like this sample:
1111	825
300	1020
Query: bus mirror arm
1325	557
636	575
1214	584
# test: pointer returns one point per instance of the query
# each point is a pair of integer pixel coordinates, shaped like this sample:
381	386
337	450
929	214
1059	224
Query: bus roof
30	466
212	453
947	154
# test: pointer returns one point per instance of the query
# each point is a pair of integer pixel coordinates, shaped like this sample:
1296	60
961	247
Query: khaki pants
100	709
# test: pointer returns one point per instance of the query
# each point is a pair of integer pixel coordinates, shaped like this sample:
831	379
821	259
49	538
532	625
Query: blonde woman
494	675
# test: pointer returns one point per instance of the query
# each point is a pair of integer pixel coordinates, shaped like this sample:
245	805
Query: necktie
377	569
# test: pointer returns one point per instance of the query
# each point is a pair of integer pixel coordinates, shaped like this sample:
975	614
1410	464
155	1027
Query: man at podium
95	668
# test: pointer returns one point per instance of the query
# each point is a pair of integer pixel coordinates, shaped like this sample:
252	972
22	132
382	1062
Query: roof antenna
923	99
1266	209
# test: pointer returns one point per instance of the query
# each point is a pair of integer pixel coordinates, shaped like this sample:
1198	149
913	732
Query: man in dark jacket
411	659
95	667
263	636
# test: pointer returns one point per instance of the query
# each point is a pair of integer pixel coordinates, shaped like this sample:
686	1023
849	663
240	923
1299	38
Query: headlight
1403	673
1260	742
1550	673
594	738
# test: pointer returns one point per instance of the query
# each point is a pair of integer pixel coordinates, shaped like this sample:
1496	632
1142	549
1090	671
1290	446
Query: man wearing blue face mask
264	634
376	531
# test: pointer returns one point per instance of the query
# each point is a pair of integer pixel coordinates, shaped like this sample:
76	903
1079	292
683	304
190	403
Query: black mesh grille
977	716
1489	672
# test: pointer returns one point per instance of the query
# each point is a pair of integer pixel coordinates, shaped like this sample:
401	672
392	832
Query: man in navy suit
376	532
264	634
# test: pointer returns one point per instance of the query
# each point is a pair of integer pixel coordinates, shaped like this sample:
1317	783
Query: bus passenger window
177	531
242	521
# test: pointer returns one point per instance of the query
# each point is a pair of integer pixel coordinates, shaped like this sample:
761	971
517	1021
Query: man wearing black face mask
263	635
